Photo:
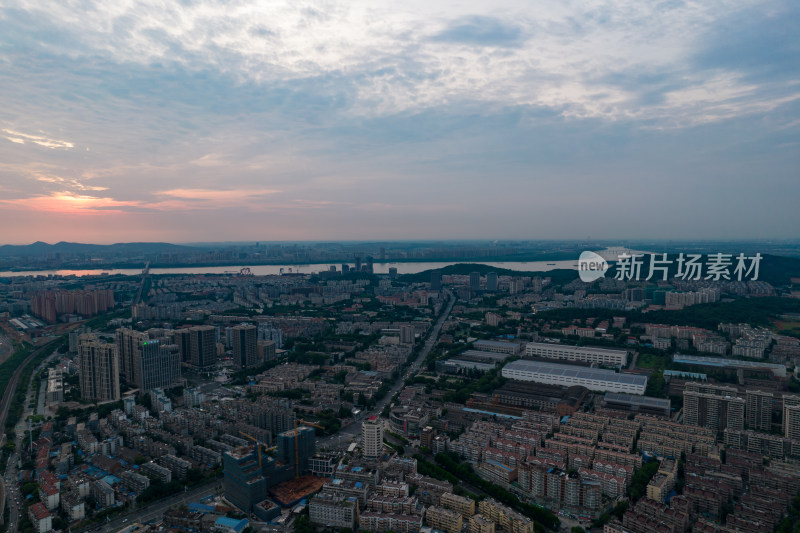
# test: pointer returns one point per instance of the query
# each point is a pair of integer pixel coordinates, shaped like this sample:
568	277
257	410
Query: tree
29	488
303	524
619	509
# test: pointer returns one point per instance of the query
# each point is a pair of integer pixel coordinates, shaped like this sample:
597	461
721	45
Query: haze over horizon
347	121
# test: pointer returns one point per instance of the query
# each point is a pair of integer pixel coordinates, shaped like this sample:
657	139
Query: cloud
759	41
217	195
72	183
374	59
481	31
370	117
68	203
22	138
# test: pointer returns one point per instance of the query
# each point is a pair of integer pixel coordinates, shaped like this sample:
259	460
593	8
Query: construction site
254	473
291	492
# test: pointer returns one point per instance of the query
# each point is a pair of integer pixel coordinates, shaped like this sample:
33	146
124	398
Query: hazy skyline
232	121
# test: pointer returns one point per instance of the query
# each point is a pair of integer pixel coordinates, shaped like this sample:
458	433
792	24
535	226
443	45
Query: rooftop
495	343
635	399
568	347
778	370
555	369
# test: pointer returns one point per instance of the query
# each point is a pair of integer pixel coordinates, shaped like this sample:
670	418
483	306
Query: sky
188	121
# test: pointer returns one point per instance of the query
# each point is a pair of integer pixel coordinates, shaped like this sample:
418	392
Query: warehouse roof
555	369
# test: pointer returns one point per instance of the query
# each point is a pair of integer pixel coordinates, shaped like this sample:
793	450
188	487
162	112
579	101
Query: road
346	434
155	510
14	498
139	294
8	394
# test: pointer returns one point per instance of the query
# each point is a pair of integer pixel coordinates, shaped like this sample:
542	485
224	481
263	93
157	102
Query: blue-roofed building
230	525
201	508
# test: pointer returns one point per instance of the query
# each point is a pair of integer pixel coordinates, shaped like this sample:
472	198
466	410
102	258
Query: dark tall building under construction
306	447
250	473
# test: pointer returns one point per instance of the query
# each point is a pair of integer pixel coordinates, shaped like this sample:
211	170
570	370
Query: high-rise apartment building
51	304
268	333
147	363
759	410
475	281
266	351
491	281
202	347
158	365
372	436
99	369
713	406
407	334
129	346
245	347
791	416
436	280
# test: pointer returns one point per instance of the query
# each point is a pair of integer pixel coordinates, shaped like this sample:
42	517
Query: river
263	270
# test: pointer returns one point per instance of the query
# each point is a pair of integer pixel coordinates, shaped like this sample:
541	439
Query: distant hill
69	248
774	269
558	276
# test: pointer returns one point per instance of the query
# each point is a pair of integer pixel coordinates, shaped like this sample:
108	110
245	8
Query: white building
328	510
372	436
594	379
40	517
588	354
510	348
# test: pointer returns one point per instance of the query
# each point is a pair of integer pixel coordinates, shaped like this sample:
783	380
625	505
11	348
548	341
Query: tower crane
259	446
297	438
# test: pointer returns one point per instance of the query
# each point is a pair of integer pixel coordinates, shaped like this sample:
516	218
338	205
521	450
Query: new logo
591	267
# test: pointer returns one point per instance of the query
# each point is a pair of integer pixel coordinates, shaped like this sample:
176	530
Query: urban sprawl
446	401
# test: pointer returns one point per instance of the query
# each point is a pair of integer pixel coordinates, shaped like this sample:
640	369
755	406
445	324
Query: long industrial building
588	354
594	379
637	404
778	370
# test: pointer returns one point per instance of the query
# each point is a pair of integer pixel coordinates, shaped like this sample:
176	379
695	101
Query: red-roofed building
50	478
49	495
40	518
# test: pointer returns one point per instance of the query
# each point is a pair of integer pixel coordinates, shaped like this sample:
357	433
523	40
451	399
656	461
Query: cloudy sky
201	120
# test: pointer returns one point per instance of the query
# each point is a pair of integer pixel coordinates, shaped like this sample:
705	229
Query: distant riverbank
405	267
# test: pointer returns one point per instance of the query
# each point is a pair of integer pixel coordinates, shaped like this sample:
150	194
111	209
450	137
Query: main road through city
11	492
346	434
156	509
